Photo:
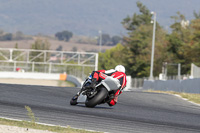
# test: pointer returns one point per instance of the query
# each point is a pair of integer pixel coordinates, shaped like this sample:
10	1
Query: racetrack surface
136	111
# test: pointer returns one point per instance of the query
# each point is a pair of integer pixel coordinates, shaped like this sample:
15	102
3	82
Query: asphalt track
136	111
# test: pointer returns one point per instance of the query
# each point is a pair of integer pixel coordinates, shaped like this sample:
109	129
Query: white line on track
185	99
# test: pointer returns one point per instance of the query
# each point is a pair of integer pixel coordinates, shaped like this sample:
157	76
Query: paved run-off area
35	82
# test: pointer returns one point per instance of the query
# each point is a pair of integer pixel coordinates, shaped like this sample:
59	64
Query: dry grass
190	96
33	125
67	46
57	129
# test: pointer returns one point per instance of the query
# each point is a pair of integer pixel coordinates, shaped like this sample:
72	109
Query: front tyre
74	100
98	98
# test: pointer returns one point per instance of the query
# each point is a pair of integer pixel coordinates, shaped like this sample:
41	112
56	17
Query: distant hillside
54	44
84	17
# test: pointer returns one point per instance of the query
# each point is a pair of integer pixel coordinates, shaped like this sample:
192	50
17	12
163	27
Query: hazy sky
84	16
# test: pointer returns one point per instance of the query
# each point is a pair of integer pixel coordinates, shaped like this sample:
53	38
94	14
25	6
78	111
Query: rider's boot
111	97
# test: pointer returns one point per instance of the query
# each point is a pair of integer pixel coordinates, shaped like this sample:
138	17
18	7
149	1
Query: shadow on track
96	107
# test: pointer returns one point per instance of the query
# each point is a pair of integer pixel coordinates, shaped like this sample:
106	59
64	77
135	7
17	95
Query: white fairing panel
111	83
81	98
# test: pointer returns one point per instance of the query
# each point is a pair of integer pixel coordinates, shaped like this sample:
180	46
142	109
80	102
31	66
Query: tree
139	41
59	48
6	37
131	23
116	40
197	15
111	57
40	44
138	51
106	40
192	51
74	49
178	42
19	36
195	24
64	35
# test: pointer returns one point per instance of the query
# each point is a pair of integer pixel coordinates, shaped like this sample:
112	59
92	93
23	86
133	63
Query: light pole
153	45
100	40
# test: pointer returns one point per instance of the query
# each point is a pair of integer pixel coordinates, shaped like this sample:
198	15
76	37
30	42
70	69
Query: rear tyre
98	98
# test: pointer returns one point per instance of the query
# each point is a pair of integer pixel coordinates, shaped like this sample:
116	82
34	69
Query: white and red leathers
102	74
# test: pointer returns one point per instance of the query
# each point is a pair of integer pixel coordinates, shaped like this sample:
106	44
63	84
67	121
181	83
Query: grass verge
26	124
33	125
190	96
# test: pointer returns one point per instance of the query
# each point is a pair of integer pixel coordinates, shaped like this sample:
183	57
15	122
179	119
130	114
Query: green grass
30	114
26	124
190	96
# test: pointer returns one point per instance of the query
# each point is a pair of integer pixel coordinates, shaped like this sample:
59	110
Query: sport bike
101	93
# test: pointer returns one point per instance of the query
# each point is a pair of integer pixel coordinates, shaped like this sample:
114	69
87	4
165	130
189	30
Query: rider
119	73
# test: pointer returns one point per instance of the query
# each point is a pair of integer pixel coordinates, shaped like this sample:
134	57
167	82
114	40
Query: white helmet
120	68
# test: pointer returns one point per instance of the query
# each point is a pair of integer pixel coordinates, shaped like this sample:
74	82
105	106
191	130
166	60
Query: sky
85	17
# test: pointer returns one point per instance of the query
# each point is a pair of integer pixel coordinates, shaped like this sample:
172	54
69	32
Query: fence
139	82
79	64
188	85
195	71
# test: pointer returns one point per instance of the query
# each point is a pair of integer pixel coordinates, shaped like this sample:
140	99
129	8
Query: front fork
86	83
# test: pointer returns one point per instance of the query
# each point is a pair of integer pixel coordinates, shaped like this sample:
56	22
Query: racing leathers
102	74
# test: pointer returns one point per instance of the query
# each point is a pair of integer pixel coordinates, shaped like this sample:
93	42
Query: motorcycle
102	93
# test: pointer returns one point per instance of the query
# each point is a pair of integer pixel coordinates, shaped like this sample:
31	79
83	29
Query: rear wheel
98	98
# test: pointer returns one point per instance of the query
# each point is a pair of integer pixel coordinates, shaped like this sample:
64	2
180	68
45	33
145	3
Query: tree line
4	36
106	39
182	45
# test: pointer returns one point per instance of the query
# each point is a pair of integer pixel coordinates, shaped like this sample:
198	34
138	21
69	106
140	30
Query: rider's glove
92	85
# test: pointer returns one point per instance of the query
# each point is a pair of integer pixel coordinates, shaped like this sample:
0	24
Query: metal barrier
41	76
188	85
79	64
137	82
195	71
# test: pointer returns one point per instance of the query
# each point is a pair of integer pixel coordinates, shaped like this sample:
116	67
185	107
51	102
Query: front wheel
74	100
98	98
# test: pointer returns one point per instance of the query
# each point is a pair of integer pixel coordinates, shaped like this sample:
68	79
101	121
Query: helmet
120	68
